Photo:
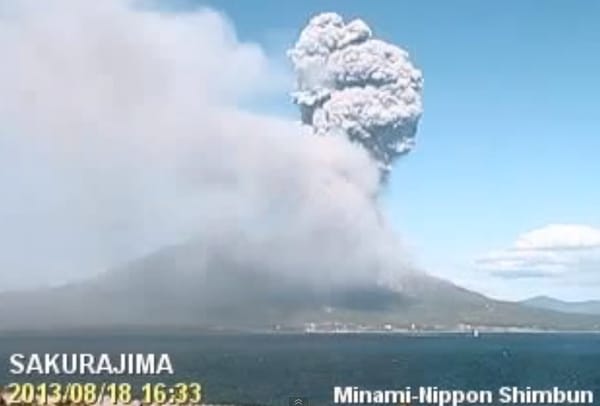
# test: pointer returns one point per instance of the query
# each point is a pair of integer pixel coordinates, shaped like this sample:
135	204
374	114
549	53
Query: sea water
271	368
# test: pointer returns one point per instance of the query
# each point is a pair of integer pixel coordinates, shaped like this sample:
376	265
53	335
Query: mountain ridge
574	307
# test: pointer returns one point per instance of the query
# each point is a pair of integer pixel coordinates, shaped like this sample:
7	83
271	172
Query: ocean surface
268	369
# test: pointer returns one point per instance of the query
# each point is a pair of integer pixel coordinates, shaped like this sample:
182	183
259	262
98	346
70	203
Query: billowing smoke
351	84
121	133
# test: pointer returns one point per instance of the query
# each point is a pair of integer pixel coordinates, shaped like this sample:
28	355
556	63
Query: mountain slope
167	290
548	303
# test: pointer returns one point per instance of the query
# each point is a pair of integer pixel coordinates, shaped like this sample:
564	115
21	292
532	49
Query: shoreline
473	333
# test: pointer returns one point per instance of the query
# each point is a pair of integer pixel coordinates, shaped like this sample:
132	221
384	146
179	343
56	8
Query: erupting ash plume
121	133
352	84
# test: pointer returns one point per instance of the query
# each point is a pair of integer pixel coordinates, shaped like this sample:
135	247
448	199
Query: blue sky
509	140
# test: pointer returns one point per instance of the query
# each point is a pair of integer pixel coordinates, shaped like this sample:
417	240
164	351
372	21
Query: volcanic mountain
168	290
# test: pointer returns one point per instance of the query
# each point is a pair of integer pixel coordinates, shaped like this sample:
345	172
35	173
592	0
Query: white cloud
558	251
559	237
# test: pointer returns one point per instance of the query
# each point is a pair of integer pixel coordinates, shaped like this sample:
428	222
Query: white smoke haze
120	134
353	85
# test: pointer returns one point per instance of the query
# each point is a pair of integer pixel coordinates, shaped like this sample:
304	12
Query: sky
500	193
510	135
